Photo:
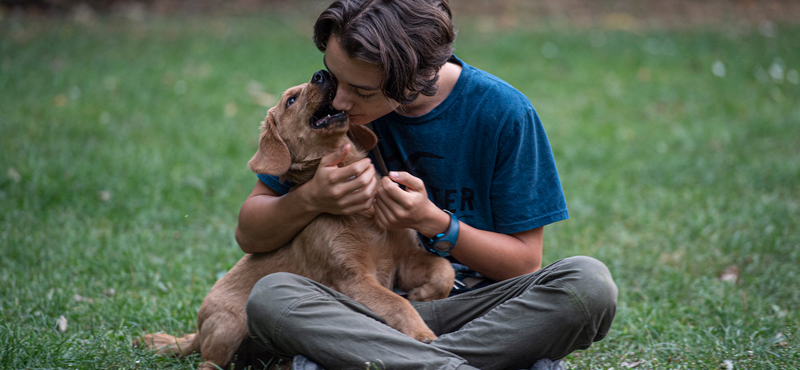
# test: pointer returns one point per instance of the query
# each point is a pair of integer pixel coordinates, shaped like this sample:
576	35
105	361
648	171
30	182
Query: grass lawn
123	151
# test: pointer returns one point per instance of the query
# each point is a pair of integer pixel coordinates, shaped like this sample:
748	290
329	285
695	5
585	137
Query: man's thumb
333	159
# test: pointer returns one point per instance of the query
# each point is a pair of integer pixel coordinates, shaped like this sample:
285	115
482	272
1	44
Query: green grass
123	151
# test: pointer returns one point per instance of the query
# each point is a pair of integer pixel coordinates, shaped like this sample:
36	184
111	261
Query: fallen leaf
14	175
80	298
779	340
256	91
631	365
730	275
231	109
60	100
726	365
62	323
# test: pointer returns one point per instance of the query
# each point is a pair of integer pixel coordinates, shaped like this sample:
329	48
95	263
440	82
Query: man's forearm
499	256
268	222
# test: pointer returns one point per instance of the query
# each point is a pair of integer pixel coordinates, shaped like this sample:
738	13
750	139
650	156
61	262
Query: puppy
354	254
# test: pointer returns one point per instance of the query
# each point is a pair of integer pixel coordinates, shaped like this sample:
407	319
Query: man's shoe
301	362
547	364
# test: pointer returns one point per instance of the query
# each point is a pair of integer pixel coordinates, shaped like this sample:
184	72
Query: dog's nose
320	77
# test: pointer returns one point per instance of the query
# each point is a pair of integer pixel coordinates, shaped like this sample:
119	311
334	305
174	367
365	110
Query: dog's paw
426	338
422	334
429	292
165	344
146	341
155	341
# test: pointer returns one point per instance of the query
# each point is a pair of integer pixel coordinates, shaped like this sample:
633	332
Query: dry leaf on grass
80	298
264	99
14	175
631	365
730	275
62	323
780	340
726	365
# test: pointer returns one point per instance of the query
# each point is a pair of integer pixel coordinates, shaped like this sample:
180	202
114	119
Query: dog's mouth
327	115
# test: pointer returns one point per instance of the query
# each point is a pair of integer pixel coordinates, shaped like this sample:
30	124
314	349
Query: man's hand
494	255
341	190
410	208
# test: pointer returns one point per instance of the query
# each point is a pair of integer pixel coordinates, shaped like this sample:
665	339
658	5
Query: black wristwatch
443	243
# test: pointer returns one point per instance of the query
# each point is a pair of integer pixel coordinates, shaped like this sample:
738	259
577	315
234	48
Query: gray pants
509	325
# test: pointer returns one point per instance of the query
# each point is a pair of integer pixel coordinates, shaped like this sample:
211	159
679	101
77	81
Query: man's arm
494	255
268	220
499	256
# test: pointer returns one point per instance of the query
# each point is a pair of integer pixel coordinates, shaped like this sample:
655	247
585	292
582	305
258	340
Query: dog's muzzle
325	115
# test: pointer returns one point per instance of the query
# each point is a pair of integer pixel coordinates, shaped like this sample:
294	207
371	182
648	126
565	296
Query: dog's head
304	127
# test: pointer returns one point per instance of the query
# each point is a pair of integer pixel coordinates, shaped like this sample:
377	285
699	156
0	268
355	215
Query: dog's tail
168	345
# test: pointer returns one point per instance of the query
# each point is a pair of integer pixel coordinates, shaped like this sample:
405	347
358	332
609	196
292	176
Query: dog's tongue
322	117
322	122
326	121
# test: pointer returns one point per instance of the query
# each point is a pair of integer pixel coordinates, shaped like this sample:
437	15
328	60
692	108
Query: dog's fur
354	255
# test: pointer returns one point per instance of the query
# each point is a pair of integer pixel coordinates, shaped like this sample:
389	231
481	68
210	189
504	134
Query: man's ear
363	137
272	157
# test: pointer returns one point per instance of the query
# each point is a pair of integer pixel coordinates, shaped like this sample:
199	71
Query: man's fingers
405	178
336	157
353	183
391	192
359	201
357	208
371	186
357	195
381	211
351	171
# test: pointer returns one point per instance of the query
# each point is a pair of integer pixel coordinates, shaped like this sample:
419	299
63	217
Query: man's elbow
535	262
530	265
244	242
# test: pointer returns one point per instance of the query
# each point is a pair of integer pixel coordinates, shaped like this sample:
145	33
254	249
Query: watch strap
447	239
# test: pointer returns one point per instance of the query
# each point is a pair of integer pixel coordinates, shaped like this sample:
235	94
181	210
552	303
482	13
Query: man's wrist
306	199
444	242
437	223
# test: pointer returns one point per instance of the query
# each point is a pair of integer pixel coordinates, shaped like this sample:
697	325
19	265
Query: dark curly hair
410	39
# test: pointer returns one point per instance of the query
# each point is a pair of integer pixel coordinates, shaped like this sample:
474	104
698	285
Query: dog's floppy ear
272	157
363	137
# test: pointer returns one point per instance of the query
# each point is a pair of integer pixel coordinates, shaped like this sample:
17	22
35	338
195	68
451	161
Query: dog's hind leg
223	333
425	276
168	345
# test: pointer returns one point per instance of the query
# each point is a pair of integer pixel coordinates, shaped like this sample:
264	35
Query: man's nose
341	101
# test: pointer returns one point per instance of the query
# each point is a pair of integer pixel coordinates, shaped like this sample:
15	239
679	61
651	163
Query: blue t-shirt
482	153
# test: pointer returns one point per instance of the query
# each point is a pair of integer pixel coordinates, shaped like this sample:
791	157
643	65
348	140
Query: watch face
443	246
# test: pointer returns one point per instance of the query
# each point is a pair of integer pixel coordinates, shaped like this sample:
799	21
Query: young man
477	173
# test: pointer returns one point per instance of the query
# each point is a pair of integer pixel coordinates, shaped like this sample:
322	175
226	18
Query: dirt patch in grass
634	14
620	14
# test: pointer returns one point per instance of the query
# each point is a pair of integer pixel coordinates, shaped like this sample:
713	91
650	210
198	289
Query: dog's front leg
396	310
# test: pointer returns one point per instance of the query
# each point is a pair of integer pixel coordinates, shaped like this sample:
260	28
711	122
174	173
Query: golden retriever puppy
354	254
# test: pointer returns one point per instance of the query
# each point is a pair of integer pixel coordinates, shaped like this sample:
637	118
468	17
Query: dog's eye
290	101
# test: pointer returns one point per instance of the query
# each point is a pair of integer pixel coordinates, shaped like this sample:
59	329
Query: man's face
358	90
